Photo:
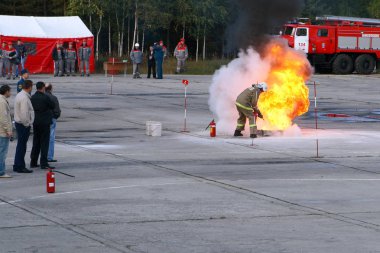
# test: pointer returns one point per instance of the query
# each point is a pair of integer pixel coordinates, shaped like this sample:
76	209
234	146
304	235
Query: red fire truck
341	44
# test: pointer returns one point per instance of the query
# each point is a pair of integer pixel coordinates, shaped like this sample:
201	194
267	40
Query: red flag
185	82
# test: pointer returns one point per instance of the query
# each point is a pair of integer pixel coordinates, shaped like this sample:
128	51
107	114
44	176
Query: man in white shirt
24	117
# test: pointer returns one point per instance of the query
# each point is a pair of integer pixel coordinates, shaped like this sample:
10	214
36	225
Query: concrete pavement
185	192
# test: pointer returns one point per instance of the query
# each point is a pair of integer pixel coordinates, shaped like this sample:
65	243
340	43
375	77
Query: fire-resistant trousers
243	115
180	65
58	68
84	64
70	66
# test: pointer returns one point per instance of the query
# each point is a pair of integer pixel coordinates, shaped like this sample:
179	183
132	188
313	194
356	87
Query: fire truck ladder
353	20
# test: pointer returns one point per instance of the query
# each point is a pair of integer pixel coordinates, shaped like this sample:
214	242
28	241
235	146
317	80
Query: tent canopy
43	27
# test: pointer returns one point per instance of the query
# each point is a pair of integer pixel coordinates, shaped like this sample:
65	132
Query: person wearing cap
246	104
181	53
84	57
13	61
3	58
136	58
58	58
24	77
71	58
21	54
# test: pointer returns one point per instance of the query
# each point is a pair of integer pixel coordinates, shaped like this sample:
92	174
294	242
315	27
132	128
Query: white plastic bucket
153	128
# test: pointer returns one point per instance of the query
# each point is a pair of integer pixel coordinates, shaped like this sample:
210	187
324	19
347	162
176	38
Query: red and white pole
186	83
316	117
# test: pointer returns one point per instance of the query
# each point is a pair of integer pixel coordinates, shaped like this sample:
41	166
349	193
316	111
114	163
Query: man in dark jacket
159	57
151	63
21	54
58	57
56	115
43	109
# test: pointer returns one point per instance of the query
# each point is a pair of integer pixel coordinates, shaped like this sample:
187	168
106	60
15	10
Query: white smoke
229	81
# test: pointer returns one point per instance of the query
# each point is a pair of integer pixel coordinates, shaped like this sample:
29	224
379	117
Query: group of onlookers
157	53
40	111
12	59
65	59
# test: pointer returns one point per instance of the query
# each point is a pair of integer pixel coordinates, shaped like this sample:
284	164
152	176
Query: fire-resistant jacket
70	54
84	53
136	56
248	99
5	117
181	52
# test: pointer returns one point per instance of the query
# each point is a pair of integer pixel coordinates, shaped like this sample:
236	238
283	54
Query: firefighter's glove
260	115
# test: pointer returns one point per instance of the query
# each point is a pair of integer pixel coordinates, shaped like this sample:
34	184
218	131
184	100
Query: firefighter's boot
238	133
253	136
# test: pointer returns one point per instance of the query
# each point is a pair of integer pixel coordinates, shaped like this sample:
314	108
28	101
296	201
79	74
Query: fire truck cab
341	44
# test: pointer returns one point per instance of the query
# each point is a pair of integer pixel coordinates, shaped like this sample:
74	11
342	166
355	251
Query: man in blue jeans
5	127
56	115
24	118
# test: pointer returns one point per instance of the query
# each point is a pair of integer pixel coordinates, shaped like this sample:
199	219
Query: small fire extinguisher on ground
212	127
50	181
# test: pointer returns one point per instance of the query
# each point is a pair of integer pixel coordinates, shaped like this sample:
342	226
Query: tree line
119	24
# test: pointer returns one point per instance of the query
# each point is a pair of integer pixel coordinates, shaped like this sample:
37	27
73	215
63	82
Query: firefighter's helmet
137	45
263	86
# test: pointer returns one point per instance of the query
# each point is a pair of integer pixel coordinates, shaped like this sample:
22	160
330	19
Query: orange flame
287	96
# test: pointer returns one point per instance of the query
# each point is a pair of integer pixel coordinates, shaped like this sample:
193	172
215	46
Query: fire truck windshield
288	30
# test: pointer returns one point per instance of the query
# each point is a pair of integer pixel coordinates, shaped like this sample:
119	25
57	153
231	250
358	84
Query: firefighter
84	57
181	53
2	58
71	57
12	61
136	58
58	57
246	104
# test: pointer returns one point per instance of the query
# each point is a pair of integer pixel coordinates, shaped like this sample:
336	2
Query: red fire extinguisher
212	129
50	181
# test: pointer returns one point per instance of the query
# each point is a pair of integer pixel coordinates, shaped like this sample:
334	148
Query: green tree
374	8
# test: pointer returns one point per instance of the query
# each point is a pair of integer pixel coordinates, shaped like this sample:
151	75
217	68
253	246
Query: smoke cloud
258	18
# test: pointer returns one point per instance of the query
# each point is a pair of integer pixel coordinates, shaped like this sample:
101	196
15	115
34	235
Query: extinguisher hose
209	124
59	172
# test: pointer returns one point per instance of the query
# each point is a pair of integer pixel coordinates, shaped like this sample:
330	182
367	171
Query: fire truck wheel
343	65
365	64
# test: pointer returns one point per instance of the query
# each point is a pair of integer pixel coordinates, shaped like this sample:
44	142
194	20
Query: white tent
40	36
43	27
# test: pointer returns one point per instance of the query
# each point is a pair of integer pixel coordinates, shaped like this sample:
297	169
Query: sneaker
6	176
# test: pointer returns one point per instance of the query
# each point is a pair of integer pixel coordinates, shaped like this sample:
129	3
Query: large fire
287	96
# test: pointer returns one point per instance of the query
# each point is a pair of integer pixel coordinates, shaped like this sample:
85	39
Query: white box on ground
153	128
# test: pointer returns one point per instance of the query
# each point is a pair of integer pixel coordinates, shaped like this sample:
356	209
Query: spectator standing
136	58
56	114
21	55
13	61
159	57
43	109
181	53
24	117
58	57
5	127
151	63
84	57
164	49
24	77
71	58
3	58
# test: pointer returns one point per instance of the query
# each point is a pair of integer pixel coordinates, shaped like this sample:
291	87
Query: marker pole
316	117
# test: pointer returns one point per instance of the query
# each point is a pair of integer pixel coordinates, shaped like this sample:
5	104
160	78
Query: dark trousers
151	67
159	67
22	140
41	138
